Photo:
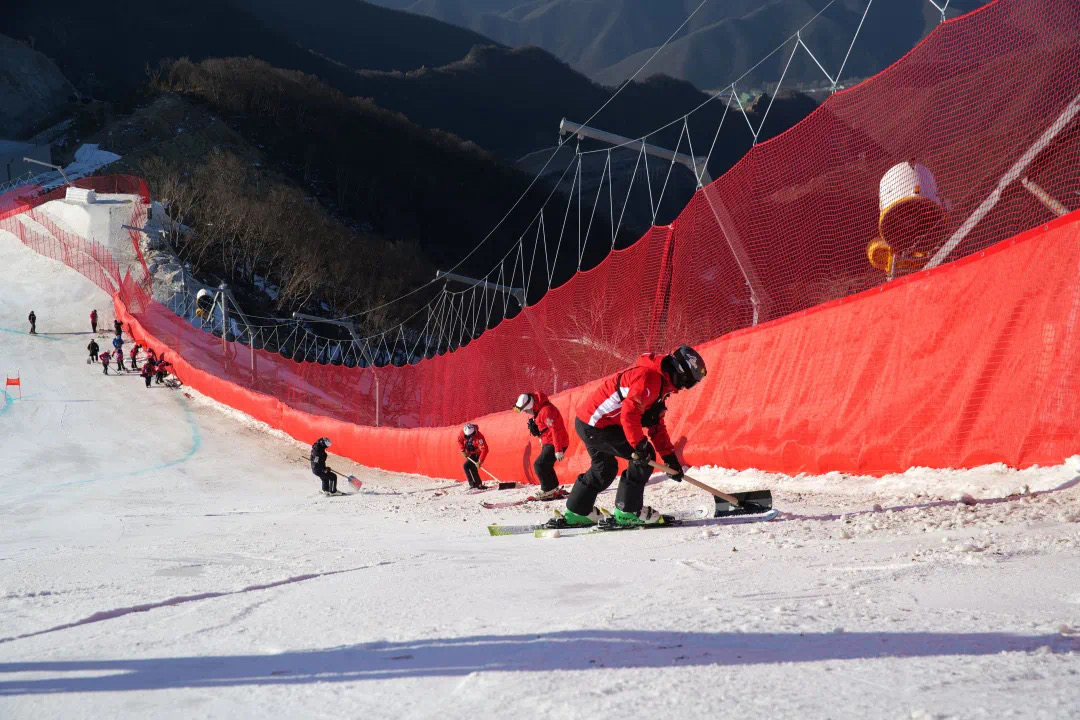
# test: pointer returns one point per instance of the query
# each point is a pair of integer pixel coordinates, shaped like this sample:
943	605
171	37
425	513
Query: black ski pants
472	473
148	378
604	445
329	480
544	466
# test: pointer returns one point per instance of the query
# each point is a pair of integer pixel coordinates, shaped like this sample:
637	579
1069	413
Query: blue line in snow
9	400
196	445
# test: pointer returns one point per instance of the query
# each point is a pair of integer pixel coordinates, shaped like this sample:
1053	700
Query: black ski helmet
325	442
688	367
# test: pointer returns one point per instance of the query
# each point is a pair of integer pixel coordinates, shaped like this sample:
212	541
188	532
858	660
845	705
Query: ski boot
556	493
647	516
572	519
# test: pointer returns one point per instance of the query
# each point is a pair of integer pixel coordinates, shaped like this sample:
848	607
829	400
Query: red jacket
473	445
623	397
550	422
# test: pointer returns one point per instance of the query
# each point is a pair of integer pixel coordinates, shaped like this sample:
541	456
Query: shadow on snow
449	657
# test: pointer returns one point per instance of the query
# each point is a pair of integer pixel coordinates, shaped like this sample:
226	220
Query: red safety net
984	111
26	197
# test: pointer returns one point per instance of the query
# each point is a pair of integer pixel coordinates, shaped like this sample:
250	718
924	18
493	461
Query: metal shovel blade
752	502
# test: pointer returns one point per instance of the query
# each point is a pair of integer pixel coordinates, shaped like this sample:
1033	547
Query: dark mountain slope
365	36
610	40
105	51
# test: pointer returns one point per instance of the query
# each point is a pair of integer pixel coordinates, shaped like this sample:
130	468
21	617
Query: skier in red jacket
93	321
161	369
105	361
474	449
613	423
547	424
147	372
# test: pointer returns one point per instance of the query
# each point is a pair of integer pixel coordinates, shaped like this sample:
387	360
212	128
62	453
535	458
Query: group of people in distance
154	368
623	418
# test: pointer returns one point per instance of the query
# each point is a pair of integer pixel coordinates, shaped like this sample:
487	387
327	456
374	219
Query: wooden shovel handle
696	483
485	470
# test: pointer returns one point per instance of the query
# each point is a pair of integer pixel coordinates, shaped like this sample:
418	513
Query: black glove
673	462
643	453
534	429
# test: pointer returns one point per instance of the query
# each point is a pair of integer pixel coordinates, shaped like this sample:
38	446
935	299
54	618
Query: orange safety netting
984	112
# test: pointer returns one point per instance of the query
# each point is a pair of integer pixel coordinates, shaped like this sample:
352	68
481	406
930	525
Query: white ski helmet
524	402
469	429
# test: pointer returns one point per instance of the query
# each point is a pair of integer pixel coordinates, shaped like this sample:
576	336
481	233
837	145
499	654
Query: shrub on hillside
363	161
243	222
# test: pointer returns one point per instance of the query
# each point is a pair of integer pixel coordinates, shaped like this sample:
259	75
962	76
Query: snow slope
163	556
89	158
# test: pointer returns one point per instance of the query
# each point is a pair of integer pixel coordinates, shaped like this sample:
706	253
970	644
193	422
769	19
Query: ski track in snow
163	555
172	602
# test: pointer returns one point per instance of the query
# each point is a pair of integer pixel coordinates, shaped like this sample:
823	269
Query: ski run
164	556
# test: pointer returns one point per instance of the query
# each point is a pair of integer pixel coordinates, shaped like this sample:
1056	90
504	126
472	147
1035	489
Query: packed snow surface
89	158
162	556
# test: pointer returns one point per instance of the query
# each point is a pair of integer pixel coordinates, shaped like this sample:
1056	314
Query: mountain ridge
610	41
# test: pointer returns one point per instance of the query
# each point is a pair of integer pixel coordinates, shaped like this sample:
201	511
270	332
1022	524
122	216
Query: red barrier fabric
817	362
971	363
785	230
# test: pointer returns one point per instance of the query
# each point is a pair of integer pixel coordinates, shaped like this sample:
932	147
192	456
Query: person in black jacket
318	466
33	323
93	348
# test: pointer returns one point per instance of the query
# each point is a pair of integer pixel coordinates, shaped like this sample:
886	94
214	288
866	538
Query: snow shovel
751	502
502	485
353	480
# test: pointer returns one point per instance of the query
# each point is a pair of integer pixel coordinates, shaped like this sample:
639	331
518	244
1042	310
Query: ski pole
697	483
